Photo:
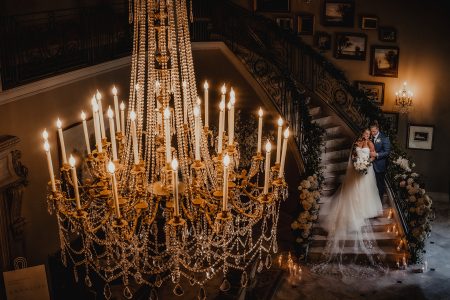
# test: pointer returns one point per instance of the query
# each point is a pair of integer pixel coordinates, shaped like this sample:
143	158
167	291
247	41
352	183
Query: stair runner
334	161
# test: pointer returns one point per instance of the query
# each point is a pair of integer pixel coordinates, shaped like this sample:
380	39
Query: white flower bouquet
361	165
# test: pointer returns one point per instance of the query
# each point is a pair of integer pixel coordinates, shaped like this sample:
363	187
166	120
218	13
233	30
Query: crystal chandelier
164	199
404	99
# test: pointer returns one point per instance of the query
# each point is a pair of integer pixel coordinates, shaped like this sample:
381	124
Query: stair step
315	111
325	122
336	142
338	154
330	167
382	238
333	131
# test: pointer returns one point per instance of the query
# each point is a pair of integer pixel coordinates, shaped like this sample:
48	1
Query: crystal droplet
178	290
153	295
275	246
225	286
268	261
107	291
192	281
260	266
244	279
237	260
158	281
87	281
75	274
138	278
201	294
127	293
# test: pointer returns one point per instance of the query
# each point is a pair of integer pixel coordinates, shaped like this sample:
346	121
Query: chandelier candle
98	138
206	86
134	137
167	134
283	153
85	130
122	116
226	162
112	171
223	90
61	140
176	211
116	109
75	181
280	128
267	171
112	133
100	109
260	114
221	126
197	132
50	165
231	117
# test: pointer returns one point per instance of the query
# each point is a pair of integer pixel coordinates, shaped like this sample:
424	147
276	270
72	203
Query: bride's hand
373	154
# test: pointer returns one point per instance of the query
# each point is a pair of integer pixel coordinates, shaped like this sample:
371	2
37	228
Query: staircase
337	147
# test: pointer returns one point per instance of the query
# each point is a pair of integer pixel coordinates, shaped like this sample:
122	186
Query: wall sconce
404	99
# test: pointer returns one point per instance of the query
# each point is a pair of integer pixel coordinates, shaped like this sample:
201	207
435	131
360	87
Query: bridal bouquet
361	164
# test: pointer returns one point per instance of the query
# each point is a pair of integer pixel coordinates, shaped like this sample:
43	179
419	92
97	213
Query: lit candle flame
110	113
268	146
114	90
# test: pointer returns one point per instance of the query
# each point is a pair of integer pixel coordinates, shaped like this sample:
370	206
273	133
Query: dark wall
422	28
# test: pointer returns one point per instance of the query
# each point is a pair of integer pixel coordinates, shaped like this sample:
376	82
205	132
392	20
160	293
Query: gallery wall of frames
379	45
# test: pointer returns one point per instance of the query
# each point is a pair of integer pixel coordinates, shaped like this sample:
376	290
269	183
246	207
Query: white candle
112	170
231	125
75	181
167	134
221	126
116	109
223	90
267	169
98	138
185	104
100	112
206	86
50	165
197	132
112	133
260	114
86	134
283	153
226	162
122	116
61	141
176	212
134	137
280	128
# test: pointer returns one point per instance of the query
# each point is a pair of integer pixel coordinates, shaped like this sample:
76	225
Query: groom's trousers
381	184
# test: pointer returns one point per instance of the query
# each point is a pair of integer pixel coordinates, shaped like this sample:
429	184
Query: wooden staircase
337	147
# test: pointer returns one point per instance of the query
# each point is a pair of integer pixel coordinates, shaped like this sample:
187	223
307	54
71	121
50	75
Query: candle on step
86	134
134	137
116	109
100	113
50	164
206	95
176	211
75	181
267	169
260	114
283	153
112	133
61	141
112	171
167	134
197	132
122	116
98	138
226	163
221	126
280	128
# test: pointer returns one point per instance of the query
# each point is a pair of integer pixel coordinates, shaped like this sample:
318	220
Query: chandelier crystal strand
134	217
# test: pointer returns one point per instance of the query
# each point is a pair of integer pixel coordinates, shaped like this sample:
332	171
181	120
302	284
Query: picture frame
285	23
384	61
373	90
350	45
305	24
339	13
420	137
369	22
387	34
322	41
271	5
393	119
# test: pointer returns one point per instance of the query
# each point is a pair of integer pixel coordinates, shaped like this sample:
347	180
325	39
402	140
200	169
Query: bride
356	201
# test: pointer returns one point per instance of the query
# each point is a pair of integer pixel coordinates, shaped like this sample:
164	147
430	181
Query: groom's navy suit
382	148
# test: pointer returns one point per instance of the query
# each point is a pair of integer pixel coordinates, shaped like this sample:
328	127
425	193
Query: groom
380	155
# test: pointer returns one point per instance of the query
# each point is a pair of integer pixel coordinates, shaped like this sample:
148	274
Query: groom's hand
373	154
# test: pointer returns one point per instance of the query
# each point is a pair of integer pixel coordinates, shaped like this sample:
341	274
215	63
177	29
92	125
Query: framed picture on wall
392	118
420	137
350	46
271	5
305	24
322	40
384	61
369	22
387	34
373	90
339	13
285	23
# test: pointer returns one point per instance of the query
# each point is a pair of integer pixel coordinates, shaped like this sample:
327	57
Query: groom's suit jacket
383	148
